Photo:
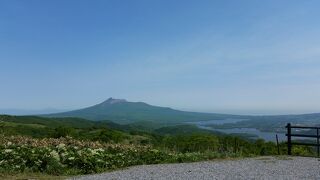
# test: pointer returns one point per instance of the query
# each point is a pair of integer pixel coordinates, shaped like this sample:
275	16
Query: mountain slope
122	111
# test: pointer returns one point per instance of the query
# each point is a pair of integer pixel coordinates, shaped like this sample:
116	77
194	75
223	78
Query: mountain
122	111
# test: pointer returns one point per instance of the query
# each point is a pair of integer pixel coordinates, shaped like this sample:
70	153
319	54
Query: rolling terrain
75	146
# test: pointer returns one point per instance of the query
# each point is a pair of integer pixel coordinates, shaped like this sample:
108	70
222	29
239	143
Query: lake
268	136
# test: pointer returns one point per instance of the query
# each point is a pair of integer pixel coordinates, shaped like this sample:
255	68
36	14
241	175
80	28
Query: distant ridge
123	111
19	112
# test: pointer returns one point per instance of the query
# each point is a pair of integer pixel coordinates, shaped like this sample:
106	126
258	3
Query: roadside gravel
249	168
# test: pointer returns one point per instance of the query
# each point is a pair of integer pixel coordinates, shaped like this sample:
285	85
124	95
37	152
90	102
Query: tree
63	131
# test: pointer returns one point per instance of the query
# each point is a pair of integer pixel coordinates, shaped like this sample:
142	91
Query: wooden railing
290	135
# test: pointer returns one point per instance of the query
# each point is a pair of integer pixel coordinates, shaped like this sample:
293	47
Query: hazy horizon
234	57
13	111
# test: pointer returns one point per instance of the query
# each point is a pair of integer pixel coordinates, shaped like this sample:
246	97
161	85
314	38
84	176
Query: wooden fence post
318	148
278	144
235	145
289	138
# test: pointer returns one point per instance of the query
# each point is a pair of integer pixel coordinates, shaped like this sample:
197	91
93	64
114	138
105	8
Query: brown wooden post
235	145
289	138
318	148
278	144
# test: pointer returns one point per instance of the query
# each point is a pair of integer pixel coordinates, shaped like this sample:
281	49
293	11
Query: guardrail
290	135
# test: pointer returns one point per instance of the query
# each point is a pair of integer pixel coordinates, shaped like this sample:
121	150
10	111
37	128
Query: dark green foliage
40	127
222	145
63	131
192	143
110	136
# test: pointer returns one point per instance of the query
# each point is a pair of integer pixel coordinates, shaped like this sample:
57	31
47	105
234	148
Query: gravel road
249	168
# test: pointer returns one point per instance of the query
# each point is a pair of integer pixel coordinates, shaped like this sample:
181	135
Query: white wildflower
64	154
8	150
55	155
100	150
61	146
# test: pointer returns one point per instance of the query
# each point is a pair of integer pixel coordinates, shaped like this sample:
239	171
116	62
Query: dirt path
249	168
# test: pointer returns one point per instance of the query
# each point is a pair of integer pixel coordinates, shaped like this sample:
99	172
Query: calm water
224	121
268	136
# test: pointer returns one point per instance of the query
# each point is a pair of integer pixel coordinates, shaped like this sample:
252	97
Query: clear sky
230	56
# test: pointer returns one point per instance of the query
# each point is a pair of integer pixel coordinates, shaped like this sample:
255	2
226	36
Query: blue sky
233	56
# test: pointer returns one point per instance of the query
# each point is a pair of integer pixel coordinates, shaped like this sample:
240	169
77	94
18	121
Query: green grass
14	124
264	158
33	176
283	157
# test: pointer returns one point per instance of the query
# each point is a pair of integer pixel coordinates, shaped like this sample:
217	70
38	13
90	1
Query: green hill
42	127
